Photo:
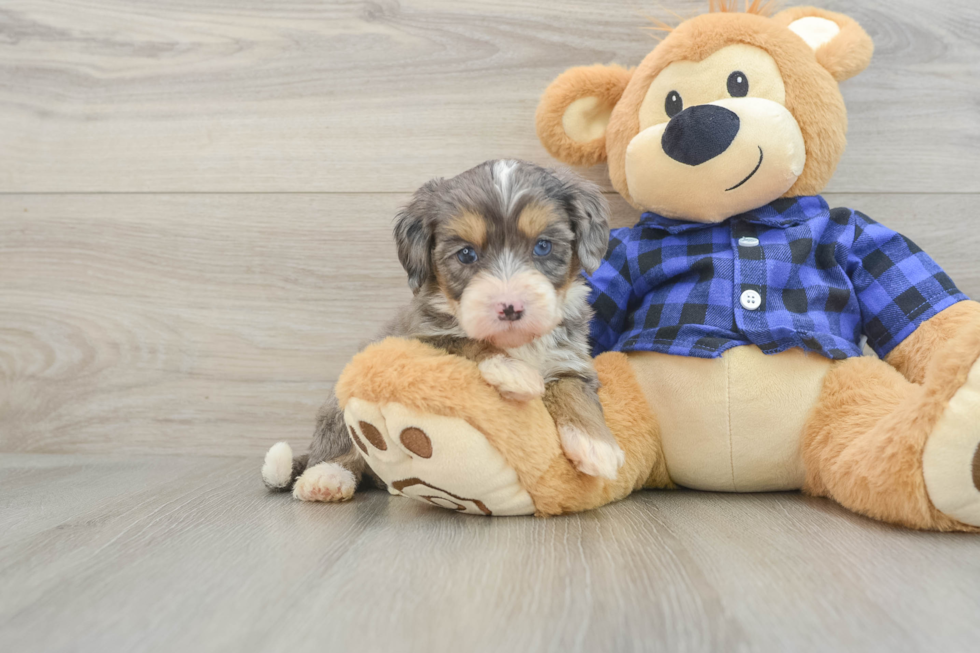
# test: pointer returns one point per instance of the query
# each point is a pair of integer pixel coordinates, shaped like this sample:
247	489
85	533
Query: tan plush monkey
730	320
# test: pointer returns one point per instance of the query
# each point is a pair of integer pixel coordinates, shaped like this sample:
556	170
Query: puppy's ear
590	218
413	237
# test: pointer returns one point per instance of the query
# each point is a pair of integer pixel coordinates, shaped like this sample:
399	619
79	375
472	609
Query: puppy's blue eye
542	248
466	256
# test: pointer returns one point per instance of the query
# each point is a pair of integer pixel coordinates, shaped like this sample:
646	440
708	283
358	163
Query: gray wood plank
190	553
247	95
215	324
202	302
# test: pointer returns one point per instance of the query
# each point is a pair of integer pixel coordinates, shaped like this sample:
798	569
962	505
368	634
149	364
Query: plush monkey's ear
841	45
574	112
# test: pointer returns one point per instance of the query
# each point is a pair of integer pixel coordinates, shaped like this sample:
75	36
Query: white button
751	300
748	241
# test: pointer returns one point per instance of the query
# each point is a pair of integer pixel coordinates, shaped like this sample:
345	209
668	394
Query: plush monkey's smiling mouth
751	174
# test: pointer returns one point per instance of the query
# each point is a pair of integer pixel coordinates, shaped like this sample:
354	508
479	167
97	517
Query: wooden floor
181	553
195	204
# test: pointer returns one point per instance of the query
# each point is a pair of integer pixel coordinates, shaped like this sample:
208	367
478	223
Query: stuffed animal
730	319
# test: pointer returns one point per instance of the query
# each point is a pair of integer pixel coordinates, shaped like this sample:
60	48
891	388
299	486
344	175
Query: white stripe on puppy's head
503	178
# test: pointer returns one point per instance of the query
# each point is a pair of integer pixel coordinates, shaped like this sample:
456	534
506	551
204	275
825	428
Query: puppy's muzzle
509	311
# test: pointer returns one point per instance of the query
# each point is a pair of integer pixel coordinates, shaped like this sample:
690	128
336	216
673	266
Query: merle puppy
494	258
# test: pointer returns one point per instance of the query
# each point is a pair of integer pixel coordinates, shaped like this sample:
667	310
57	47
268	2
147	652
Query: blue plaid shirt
793	273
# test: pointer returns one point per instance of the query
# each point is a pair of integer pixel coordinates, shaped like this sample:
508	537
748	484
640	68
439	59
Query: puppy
494	258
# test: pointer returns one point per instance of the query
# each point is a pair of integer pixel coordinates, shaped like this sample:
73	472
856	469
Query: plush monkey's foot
327	482
441	460
951	459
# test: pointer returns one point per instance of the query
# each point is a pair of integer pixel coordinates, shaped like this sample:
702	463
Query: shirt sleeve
898	285
611	294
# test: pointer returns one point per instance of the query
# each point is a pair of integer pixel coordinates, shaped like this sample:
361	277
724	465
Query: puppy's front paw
591	455
325	482
512	378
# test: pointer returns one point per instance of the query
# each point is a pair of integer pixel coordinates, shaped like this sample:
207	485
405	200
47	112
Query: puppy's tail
280	470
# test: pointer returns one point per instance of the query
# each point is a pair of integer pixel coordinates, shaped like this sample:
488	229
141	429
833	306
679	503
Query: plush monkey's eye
542	247
738	84
467	256
674	104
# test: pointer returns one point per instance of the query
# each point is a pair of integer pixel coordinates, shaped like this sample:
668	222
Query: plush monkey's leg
900	443
630	418
563	489
410	378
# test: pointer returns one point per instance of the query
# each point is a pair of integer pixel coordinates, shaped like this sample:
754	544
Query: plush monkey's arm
947	345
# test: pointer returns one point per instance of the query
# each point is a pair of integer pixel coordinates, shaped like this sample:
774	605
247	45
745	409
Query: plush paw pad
951	458
327	482
590	455
512	378
440	460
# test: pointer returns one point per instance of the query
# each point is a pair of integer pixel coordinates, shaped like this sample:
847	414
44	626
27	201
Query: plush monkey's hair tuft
658	26
757	7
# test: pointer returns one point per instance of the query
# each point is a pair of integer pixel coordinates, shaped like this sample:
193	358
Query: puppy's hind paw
328	482
592	456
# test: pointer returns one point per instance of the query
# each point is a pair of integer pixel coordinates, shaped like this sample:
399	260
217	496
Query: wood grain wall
195	196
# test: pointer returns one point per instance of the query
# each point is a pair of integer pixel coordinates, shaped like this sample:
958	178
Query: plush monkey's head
731	111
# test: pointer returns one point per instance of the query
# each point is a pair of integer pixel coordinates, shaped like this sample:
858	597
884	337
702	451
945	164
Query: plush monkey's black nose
699	134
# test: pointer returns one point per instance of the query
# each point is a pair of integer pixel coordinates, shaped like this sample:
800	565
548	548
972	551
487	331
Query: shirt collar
784	212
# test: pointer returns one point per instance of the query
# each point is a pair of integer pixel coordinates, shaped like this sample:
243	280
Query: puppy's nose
700	133
510	312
